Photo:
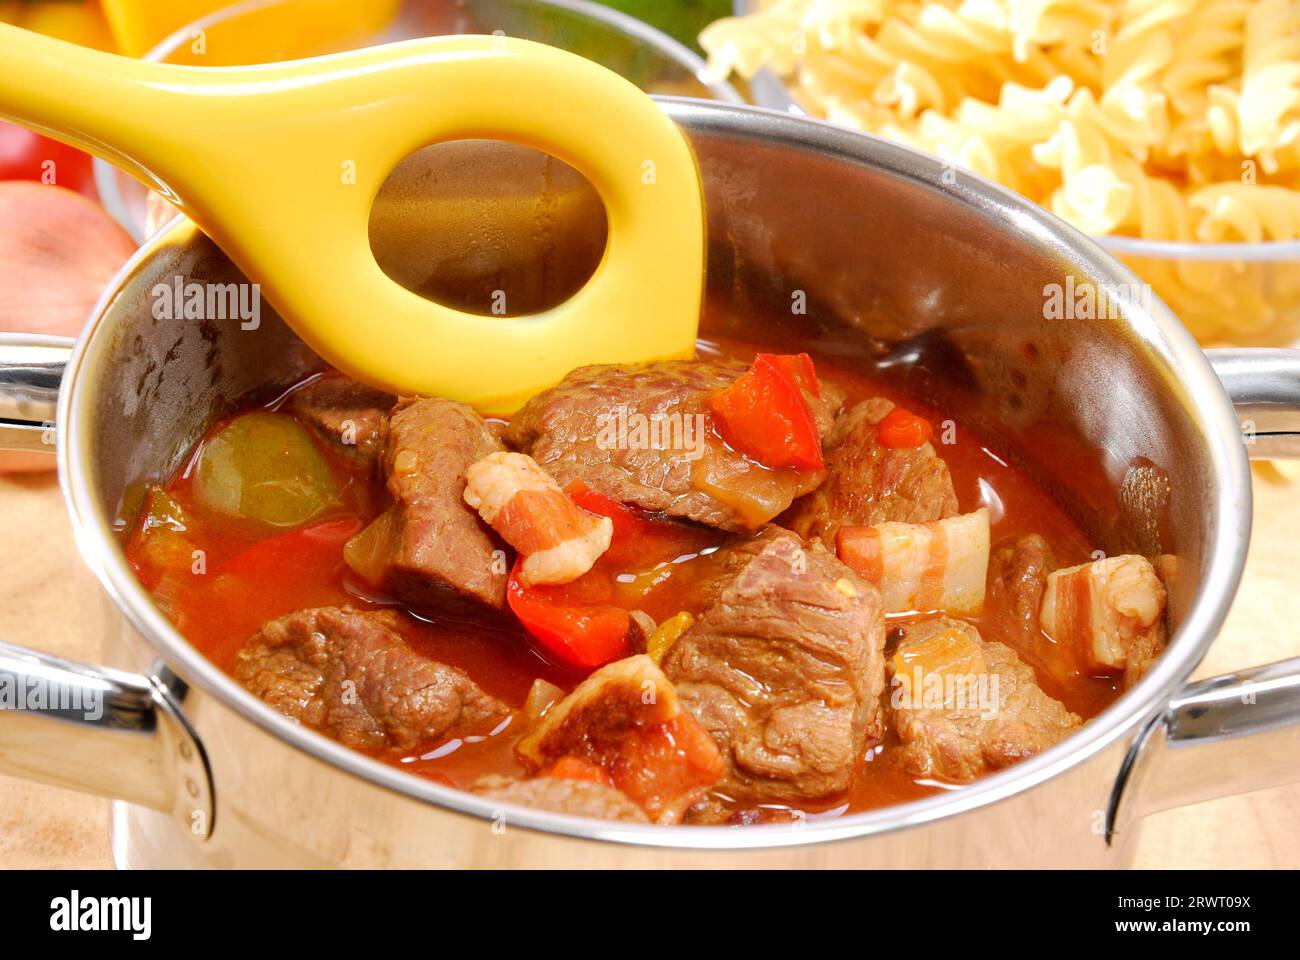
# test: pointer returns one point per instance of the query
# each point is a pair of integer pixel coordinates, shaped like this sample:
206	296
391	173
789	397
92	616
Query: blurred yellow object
1277	473
9	11
280	163
139	25
77	21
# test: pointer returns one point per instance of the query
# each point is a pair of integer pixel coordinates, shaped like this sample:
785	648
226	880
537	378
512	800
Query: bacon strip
922	567
1109	612
558	540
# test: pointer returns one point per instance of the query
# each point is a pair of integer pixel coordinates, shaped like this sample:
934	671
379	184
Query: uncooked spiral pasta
1174	120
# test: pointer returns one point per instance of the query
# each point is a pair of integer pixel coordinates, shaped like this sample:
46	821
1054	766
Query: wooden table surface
49	601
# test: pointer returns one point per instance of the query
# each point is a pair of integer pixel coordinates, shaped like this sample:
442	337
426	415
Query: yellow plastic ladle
280	163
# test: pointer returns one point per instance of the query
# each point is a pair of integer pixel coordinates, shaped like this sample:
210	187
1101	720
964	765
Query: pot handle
1196	748
1264	386
89	728
102	731
31	367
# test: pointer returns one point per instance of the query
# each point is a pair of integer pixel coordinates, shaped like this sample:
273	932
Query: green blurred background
683	19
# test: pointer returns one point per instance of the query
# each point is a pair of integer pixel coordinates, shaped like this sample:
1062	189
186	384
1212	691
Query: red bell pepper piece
639	539
628	521
765	416
582	637
799	368
283	554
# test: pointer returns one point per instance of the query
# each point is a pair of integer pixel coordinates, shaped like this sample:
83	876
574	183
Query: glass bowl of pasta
1168	129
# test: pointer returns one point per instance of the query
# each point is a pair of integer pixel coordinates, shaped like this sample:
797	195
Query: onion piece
542	696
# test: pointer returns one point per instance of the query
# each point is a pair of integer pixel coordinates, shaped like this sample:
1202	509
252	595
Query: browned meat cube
350	675
868	483
785	670
963	707
430	549
1017	578
346	413
578	798
642	434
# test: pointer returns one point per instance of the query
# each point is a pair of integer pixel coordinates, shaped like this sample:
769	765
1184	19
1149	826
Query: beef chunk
351	675
963	707
578	798
348	414
1017	578
429	548
626	719
642	434
785	670
868	483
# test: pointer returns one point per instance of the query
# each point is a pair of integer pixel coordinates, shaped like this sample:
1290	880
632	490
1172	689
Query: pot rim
1162	339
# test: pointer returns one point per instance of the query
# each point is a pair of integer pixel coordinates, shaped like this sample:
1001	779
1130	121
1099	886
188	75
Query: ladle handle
98	102
280	163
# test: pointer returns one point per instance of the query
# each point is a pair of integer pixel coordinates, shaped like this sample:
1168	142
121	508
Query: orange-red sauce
239	591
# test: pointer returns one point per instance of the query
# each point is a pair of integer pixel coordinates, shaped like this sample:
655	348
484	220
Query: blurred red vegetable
25	155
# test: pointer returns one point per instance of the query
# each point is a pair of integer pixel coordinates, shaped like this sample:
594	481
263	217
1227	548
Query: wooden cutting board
49	601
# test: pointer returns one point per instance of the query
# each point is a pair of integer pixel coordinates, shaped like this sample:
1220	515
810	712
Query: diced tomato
25	155
765	415
575	768
902	429
579	636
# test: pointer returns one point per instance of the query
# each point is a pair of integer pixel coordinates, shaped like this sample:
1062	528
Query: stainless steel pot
932	278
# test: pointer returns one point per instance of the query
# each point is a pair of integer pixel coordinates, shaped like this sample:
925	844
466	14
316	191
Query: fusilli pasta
1173	120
